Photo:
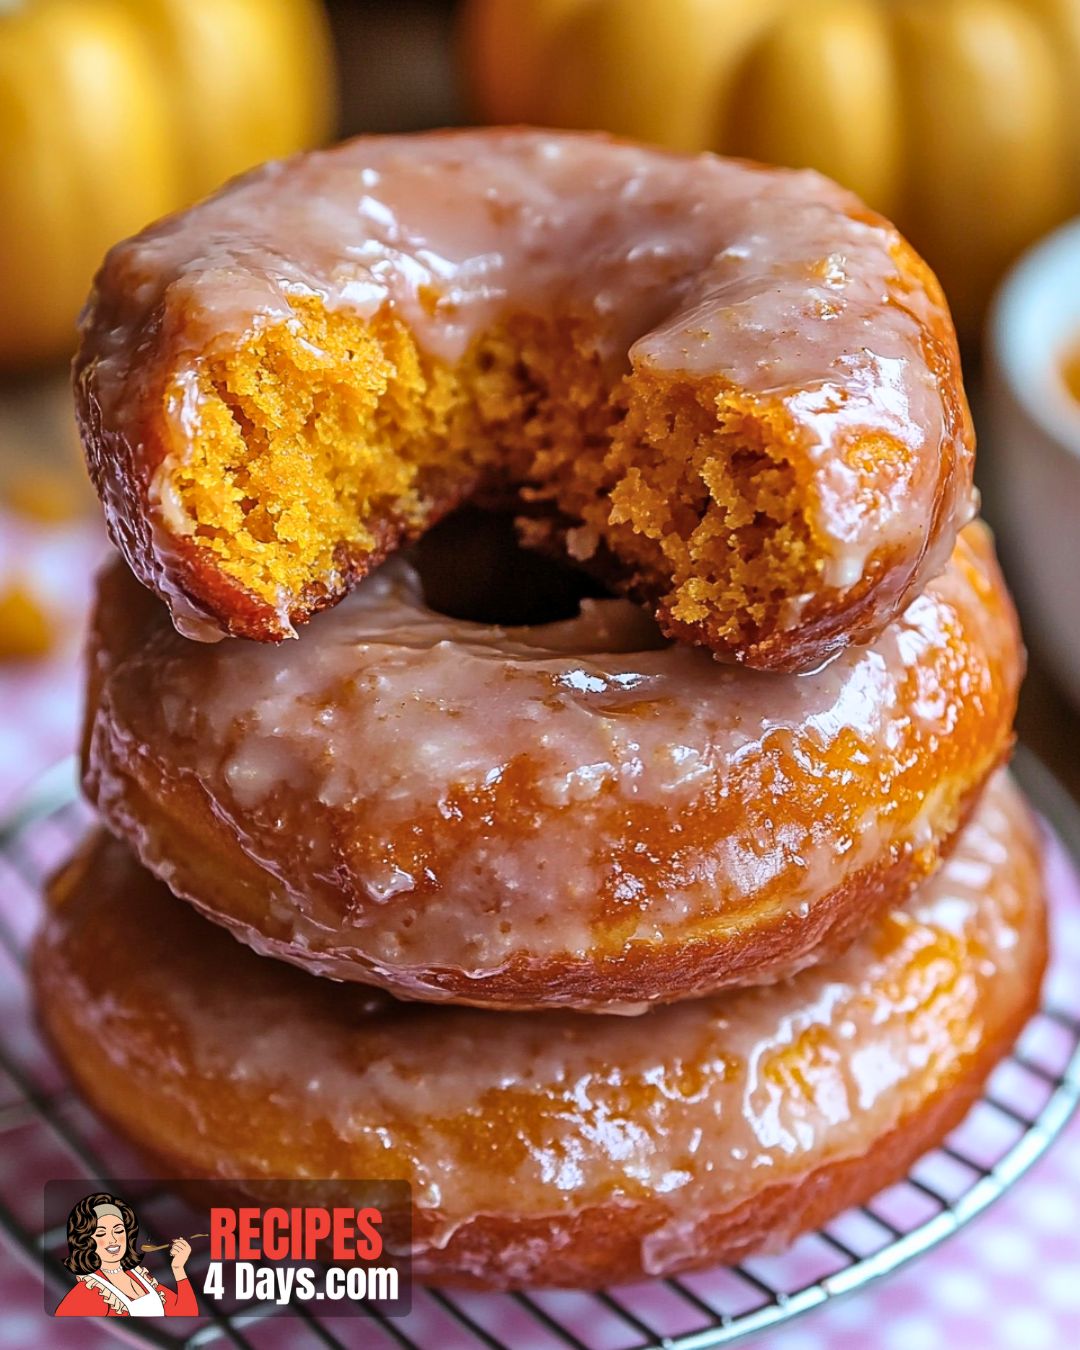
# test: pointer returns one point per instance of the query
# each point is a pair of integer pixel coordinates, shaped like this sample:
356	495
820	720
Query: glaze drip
689	1112
465	795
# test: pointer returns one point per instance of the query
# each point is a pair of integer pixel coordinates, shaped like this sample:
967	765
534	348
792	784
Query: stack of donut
567	675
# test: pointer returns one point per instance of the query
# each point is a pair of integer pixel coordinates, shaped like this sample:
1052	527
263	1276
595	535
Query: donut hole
319	445
472	567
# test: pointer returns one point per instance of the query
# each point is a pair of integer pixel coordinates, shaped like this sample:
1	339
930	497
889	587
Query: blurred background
960	119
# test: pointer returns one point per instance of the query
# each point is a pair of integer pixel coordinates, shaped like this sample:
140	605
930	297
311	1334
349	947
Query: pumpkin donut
698	1133
732	392
575	813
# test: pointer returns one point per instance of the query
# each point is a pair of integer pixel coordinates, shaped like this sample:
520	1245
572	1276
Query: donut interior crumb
312	433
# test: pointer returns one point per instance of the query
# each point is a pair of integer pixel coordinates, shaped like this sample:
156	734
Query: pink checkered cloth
1012	1279
40	700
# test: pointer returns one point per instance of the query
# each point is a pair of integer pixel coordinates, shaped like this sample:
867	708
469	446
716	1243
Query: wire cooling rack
45	1132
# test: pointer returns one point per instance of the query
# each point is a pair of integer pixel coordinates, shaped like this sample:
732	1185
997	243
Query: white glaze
387	728
776	284
696	1106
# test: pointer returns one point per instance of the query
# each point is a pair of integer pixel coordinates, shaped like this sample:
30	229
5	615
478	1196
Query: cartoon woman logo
103	1255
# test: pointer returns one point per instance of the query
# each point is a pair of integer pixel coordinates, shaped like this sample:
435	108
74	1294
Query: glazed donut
733	392
573	814
699	1133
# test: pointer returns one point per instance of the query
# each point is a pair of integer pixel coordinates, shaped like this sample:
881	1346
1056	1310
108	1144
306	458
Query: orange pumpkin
113	112
959	119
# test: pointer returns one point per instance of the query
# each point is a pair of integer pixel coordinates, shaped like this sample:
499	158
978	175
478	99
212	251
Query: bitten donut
731	391
573	814
553	1149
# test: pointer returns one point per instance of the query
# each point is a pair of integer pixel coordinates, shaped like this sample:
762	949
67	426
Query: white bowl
1032	431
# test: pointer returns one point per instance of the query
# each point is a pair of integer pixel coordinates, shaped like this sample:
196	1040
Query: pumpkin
113	112
959	119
